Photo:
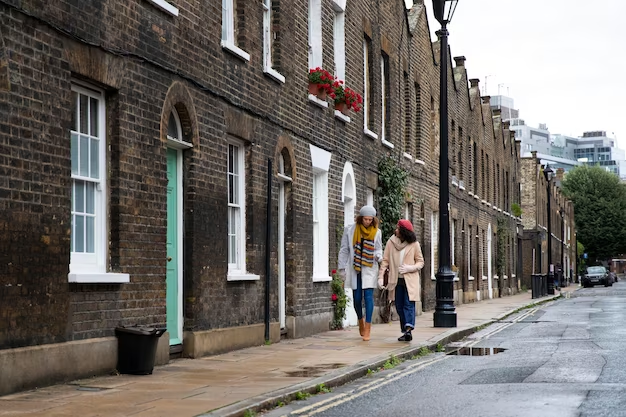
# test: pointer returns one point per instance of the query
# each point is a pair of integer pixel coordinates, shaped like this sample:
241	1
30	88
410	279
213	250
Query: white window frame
320	160
166	7
315	34
91	267
228	31
434	240
383	107
268	43
452	237
237	270
339	38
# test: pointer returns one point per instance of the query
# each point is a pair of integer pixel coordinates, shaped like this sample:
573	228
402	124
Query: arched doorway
348	197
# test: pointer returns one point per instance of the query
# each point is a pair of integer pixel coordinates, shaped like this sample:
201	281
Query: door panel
172	261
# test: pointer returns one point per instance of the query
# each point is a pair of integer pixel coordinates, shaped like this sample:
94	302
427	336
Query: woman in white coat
359	256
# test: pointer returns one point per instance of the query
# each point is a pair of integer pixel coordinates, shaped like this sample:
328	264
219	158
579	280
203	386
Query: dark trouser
359	294
405	307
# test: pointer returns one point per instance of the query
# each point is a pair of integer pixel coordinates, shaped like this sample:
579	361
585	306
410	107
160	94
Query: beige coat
391	259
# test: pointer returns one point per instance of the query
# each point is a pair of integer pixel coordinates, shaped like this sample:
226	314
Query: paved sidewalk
255	377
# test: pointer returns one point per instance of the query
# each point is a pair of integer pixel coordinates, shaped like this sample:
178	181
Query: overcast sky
560	60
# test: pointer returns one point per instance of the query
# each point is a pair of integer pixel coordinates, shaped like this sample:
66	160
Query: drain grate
473	351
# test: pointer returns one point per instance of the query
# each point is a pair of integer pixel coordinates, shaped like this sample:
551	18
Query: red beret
405	224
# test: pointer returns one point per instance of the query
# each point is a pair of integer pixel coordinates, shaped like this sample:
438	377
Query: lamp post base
445	312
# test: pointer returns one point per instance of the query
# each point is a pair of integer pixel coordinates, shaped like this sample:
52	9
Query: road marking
324	405
357	392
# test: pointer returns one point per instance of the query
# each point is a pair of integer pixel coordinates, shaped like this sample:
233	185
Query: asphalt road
564	358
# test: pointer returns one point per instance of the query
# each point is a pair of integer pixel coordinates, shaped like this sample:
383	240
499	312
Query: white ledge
484	278
242	277
471	194
471	278
419	161
488	204
476	197
98	278
461	188
387	144
455	184
370	134
408	156
500	210
496	277
274	75
483	201
320	103
235	50
494	207
456	278
166	7
322	278
340	116
505	277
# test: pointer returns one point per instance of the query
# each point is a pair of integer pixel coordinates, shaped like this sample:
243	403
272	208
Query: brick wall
149	62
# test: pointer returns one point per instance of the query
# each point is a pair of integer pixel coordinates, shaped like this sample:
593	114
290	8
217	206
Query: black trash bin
535	284
136	349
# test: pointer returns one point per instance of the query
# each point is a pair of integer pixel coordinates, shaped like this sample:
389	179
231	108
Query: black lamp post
562	214
445	312
549	174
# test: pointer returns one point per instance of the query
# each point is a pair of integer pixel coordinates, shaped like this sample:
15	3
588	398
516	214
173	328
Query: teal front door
173	278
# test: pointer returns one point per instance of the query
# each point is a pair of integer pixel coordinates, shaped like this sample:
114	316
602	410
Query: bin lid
141	330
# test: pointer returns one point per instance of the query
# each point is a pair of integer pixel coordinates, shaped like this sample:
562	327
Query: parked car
596	275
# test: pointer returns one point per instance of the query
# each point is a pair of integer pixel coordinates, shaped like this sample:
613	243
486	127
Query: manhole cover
474	351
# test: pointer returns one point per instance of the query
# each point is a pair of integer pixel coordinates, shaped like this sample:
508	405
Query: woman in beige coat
403	256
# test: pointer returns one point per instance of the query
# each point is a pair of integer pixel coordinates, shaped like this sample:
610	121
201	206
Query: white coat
369	275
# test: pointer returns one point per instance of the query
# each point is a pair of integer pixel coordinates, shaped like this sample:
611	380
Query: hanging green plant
502	236
516	210
392	182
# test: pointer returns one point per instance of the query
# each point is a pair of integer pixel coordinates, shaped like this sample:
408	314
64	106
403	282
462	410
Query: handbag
384	309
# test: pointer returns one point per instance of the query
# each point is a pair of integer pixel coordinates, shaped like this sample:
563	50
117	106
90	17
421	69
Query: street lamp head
444	10
548	173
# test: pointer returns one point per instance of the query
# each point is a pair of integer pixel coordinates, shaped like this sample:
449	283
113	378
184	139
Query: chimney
460	61
486	99
474	82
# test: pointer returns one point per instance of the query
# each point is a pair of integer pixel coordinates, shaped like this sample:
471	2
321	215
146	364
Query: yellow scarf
367	233
363	242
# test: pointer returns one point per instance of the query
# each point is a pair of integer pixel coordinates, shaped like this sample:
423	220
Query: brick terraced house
136	139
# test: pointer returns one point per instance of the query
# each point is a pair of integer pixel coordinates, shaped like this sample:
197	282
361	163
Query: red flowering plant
339	300
342	94
322	79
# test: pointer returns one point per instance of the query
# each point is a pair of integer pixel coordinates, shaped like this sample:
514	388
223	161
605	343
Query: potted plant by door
320	82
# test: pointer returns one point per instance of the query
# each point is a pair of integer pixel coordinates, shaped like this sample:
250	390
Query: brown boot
366	331
361	327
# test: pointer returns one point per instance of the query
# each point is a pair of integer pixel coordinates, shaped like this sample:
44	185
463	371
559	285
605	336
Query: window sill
471	194
370	134
98	278
505	277
461	188
484	278
340	116
238	52
455	184
484	202
274	75
408	156
166	7
387	144
496	277
419	161
471	278
320	103
242	277
322	278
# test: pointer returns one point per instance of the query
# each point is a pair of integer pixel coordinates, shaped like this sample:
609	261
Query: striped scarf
363	241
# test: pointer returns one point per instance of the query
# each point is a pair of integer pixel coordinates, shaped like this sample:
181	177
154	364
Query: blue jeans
358	300
405	308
